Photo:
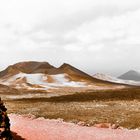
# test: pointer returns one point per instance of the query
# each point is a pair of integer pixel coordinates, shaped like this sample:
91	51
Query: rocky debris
100	125
81	123
107	125
5	133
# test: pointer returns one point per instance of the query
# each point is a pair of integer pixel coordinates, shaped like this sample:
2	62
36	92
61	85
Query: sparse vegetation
120	107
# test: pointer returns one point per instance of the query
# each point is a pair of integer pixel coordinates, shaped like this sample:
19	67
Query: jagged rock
5	133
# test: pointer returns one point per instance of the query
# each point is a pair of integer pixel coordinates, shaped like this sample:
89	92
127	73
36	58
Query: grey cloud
52	32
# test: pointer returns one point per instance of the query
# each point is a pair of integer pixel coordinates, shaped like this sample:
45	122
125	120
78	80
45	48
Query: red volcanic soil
29	128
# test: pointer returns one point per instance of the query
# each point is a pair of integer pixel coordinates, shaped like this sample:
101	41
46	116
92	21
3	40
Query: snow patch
61	80
40	80
30	95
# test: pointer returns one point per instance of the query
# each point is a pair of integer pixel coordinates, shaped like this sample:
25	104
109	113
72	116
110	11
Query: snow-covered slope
115	80
33	75
38	81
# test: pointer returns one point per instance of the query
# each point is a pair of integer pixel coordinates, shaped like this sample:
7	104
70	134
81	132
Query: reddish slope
41	129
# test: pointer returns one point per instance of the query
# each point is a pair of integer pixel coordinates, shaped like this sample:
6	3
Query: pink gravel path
44	129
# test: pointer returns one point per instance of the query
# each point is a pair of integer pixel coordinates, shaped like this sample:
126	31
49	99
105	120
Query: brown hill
74	73
33	67
28	67
21	75
10	71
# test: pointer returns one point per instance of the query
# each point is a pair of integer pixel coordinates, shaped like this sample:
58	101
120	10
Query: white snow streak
60	80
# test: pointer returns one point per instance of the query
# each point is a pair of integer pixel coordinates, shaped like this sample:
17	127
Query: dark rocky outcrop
4	123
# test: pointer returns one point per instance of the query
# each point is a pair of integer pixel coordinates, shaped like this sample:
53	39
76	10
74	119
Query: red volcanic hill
41	75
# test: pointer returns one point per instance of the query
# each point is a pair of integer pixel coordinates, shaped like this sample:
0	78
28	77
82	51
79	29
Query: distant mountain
115	80
131	75
33	75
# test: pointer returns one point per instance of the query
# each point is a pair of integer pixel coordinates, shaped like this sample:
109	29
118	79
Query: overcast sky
93	35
